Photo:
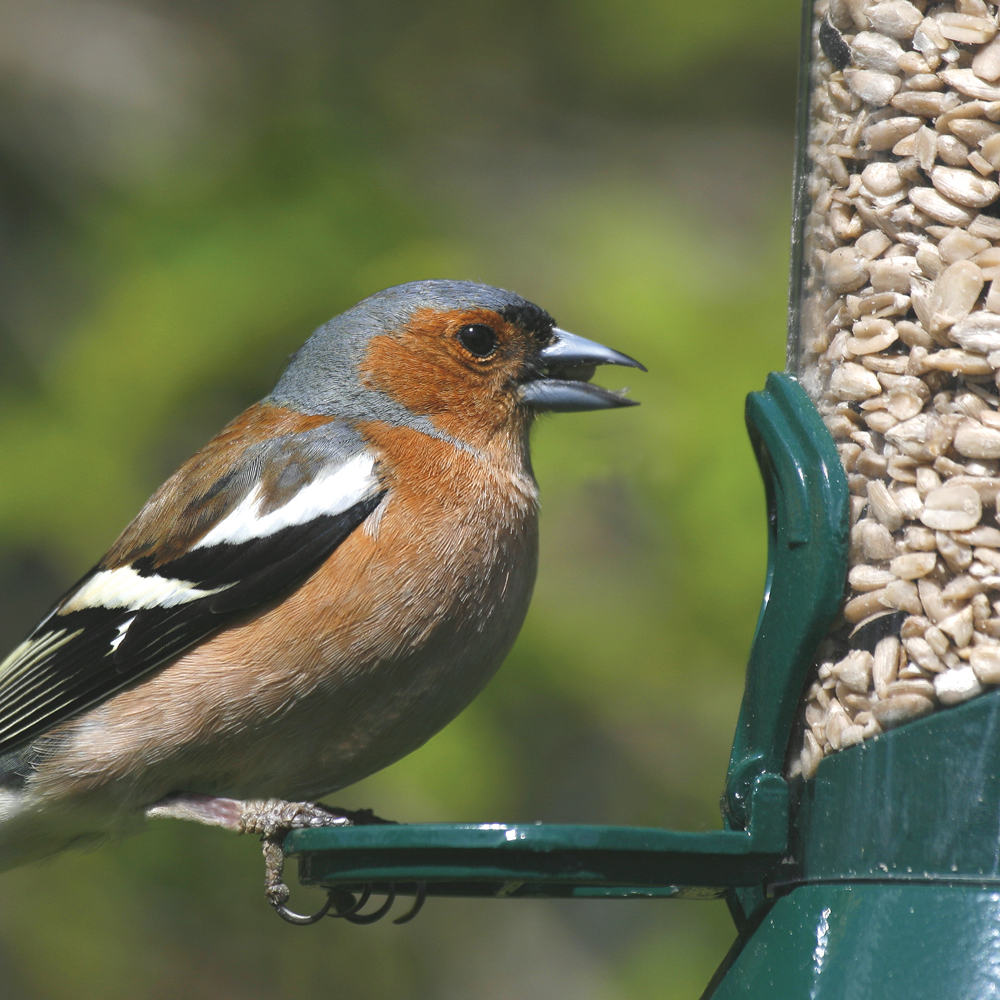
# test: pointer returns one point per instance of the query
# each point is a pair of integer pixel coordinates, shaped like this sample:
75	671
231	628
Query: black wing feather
62	678
85	669
304	548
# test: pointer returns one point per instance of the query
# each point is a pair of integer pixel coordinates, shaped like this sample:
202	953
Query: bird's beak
561	382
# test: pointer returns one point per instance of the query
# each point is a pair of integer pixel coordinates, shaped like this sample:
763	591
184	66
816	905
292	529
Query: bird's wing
239	525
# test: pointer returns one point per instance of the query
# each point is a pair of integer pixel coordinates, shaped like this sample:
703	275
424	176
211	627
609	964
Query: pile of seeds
899	346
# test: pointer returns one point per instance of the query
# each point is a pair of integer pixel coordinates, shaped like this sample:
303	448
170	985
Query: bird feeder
807	497
860	849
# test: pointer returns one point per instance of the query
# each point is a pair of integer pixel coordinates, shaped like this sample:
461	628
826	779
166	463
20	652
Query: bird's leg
272	819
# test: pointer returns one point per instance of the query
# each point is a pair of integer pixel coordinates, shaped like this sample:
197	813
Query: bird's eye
478	339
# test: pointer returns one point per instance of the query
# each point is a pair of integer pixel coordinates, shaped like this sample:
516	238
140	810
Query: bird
312	595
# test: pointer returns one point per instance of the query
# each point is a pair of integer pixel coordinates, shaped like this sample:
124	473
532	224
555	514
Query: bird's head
447	357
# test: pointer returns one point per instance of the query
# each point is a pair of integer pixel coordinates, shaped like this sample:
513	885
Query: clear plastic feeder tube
895	335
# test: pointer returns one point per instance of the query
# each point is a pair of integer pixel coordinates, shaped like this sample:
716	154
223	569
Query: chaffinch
311	596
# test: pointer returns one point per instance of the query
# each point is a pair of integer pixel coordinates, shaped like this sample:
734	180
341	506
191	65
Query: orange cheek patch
410	370
426	369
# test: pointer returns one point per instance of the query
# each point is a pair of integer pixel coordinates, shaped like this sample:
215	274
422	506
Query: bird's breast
385	643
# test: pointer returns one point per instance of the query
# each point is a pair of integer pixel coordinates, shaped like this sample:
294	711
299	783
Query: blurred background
187	189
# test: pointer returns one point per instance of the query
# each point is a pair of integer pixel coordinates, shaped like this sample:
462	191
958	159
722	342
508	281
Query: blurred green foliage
627	166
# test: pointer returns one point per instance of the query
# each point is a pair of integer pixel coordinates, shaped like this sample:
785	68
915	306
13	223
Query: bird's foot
272	820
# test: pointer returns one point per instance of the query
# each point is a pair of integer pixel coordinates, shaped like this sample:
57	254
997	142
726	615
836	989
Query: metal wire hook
371	918
304	919
355	904
418	905
345	905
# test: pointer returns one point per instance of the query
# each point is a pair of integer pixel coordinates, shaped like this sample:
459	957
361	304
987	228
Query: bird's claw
274	819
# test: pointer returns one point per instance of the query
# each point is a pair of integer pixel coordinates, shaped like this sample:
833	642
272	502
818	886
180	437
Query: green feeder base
869	941
891	887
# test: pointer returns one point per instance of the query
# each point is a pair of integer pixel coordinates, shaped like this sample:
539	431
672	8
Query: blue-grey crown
322	376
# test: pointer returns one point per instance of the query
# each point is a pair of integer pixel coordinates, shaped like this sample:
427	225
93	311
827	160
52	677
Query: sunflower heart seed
939	207
870	578
873	87
855	670
874	50
901	708
952	508
895	18
965	187
966	82
973	440
979	332
885	134
913	565
957	288
954	686
985	663
851	381
882	179
959	626
884	506
845	269
986	62
966	29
